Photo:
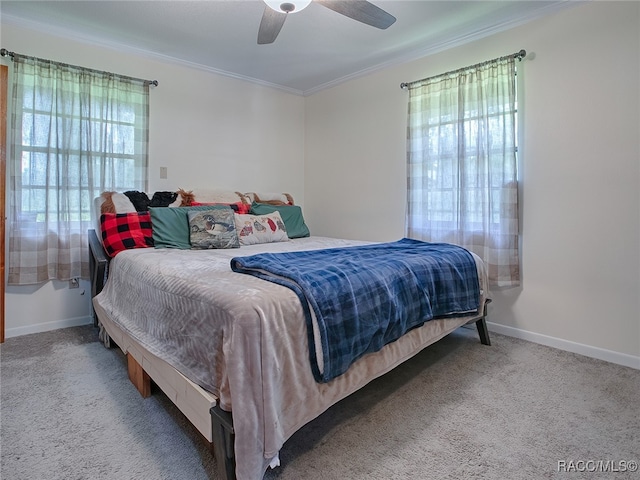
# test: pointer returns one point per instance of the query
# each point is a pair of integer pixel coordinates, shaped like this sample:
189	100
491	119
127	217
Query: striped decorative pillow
122	231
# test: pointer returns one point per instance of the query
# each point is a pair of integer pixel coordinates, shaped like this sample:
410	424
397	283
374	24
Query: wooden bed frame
144	367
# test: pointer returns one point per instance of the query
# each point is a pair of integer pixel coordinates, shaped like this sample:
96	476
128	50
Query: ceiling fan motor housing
293	6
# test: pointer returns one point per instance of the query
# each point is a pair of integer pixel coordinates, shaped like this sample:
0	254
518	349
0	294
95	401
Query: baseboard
47	326
586	350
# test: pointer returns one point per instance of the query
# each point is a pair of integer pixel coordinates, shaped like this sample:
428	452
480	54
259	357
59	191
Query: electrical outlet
163	172
74	283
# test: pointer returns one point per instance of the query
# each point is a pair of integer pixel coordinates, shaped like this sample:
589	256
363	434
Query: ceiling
317	47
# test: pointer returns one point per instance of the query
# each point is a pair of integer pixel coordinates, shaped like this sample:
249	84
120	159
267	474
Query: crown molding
423	52
410	56
128	49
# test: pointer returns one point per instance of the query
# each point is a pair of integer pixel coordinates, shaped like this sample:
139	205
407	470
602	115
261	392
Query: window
75	133
462	166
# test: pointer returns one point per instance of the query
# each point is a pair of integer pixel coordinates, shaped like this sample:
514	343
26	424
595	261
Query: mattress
242	338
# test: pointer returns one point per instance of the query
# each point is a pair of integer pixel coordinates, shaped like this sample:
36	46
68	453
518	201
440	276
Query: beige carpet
459	410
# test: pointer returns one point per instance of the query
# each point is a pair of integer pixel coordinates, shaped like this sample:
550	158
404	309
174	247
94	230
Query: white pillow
202	195
122	203
285	198
253	229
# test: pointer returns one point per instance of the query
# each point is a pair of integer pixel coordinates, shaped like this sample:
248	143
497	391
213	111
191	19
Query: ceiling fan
276	11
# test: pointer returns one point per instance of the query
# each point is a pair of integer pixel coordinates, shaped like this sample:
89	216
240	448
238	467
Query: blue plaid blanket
367	296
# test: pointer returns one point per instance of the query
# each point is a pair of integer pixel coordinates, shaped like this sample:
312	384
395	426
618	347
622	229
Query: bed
232	350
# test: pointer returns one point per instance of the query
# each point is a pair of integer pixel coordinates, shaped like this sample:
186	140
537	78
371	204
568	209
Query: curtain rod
519	56
6	53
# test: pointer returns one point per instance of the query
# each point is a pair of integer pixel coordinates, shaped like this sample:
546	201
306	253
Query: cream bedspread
242	338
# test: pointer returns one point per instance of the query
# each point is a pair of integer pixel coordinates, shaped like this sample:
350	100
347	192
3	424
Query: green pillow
291	216
171	225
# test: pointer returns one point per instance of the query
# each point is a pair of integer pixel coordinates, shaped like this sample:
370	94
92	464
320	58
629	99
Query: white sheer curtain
74	133
462	166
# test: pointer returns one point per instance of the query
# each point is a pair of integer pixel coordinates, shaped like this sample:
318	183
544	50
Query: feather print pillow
253	229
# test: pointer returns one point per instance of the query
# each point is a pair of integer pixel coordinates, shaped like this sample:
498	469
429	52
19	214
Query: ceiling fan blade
362	11
270	25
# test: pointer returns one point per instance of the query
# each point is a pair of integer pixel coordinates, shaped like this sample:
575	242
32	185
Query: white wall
579	153
210	131
580	172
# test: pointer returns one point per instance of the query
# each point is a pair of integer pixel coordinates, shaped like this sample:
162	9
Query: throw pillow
253	229
291	216
115	202
237	207
171	226
213	229
163	199
121	231
140	200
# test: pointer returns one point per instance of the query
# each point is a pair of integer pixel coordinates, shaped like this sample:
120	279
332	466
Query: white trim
409	56
567	345
48	326
124	48
618	358
423	52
